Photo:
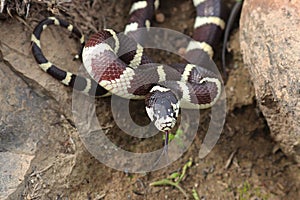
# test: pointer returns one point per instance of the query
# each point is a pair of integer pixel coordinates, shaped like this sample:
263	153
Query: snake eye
162	107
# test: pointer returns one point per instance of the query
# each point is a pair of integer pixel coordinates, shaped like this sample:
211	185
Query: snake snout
162	107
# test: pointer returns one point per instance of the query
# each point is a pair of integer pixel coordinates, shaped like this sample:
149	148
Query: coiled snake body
191	86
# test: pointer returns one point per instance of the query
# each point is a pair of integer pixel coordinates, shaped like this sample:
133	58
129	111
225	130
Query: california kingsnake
167	88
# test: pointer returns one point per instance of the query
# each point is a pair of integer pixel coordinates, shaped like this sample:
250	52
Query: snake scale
164	88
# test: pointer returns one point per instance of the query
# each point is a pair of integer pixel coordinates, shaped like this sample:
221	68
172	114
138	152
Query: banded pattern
208	27
141	13
88	86
114	63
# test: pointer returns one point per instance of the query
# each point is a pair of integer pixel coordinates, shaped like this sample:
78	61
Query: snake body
165	88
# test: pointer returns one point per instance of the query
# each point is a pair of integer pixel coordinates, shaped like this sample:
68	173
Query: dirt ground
245	163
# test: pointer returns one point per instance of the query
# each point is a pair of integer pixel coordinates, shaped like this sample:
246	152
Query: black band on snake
165	89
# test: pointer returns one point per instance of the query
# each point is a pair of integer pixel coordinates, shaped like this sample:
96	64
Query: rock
29	123
41	154
160	17
270	45
61	53
12	172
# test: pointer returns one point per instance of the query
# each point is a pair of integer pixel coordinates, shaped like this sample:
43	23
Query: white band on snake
164	88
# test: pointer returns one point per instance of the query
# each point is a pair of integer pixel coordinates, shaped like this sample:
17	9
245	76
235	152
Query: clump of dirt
244	164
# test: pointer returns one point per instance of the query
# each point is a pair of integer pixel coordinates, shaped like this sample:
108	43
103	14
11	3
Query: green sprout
195	194
175	178
176	136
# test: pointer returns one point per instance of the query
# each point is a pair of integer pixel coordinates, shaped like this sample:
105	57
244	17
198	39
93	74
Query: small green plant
247	191
176	136
244	192
195	194
175	178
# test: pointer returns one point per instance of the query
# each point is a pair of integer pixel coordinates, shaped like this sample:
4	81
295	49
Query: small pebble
160	17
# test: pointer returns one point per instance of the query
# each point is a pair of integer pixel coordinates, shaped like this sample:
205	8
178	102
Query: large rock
30	122
270	42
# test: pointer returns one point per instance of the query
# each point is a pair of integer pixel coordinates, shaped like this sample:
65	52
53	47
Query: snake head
162	107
